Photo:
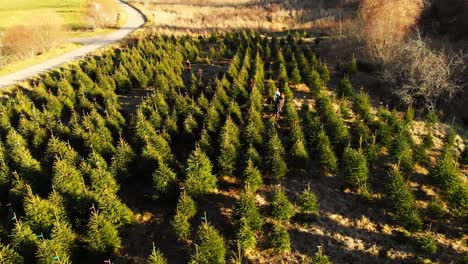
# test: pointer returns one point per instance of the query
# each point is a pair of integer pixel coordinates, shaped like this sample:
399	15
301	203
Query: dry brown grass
35	36
203	17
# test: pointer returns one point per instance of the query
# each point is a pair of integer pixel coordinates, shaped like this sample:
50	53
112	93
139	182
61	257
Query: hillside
203	166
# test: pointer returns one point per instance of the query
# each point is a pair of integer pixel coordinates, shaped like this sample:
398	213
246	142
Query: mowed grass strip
26	11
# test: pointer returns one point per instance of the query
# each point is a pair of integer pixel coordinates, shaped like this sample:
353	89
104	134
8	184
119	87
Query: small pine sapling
281	208
279	239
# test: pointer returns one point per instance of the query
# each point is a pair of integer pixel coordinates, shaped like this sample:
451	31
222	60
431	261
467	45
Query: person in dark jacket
280	105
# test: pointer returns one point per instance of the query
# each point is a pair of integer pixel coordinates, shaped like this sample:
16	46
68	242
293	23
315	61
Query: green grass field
23	11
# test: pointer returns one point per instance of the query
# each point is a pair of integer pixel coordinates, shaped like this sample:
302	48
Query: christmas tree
210	246
199	176
281	208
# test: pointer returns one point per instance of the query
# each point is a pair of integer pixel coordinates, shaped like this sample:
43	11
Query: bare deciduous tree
384	24
101	13
421	76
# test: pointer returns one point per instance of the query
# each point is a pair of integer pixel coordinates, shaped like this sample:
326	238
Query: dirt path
134	21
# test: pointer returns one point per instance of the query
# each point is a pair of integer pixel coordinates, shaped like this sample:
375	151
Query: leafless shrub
101	13
35	36
424	77
384	24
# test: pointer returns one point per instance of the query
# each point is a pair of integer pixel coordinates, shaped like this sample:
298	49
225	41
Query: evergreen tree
253	128
281	208
326	157
401	152
274	156
322	68
446	175
63	234
212	121
24	241
252	154
101	237
22	160
211	247
356	171
246	237
372	152
308	202
362	105
164	179
122	160
9	255
346	88
51	251
403	201
200	179
251	177
186	210
156	257
40	212
353	66
246	211
320	258
295	73
279	238
229	146
5	180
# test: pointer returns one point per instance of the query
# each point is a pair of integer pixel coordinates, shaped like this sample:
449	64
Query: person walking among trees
277	97
279	106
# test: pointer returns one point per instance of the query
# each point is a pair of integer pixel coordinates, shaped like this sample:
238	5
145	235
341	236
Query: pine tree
281	208
295	73
164	179
229	148
211	247
252	154
246	210
299	154
446	175
279	238
63	234
24	241
346	88
40	212
253	128
372	152
353	66
9	255
326	157
252	178
186	210
200	179
308	202
355	170
403	201
320	258
122	160
362	105
274	156
156	257
101	237
401	152
5	179
246	237
51	251
22	160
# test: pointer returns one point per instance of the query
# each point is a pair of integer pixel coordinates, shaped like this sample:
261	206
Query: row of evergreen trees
66	147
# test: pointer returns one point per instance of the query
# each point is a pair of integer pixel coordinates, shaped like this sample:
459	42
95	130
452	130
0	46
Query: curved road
134	21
